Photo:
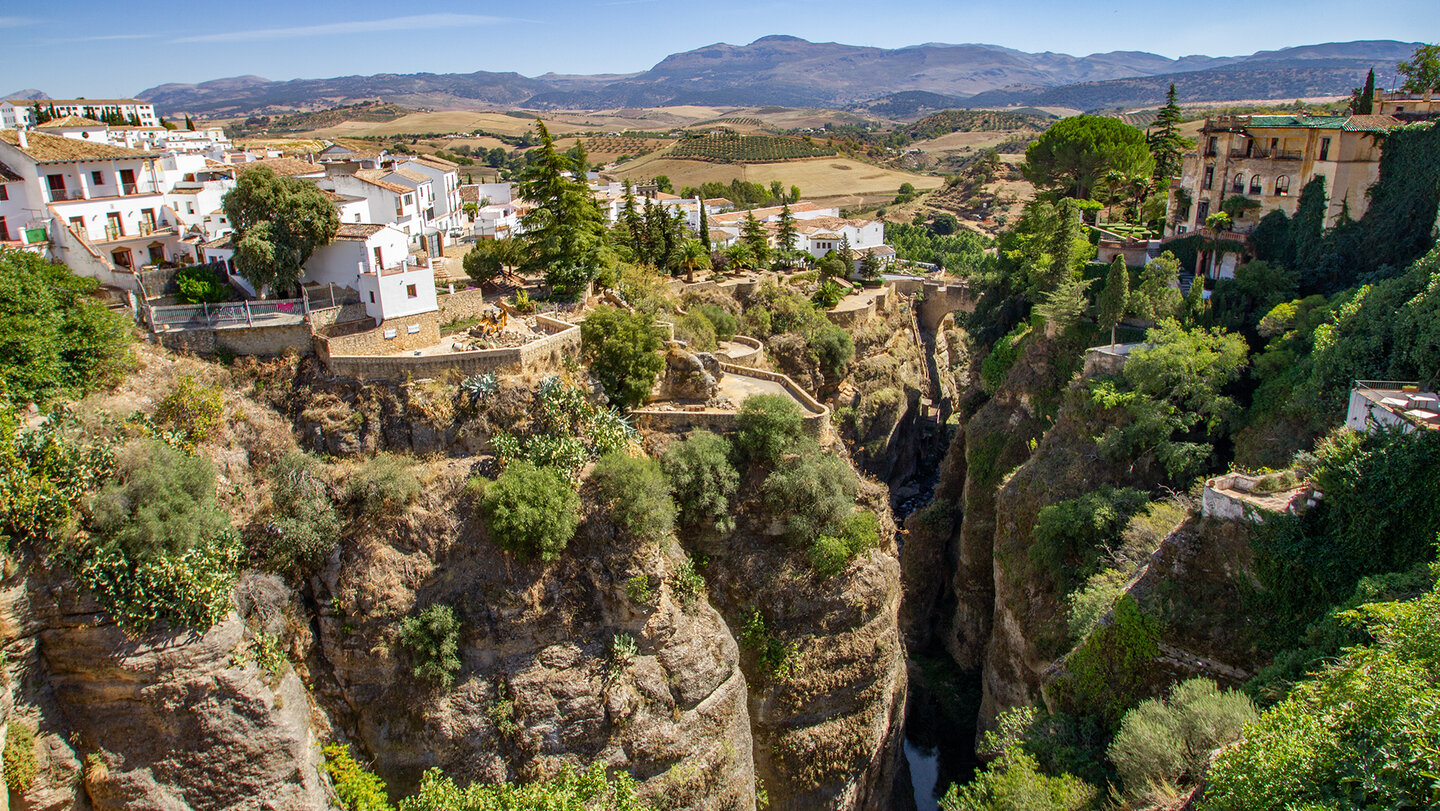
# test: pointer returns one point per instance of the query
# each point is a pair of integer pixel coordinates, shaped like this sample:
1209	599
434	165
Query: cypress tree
704	226
1307	227
1115	298
752	233
1166	143
1366	103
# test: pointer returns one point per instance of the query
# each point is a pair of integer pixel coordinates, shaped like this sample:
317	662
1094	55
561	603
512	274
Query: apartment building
1270	158
20	113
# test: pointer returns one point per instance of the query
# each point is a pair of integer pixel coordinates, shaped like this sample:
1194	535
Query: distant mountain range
792	72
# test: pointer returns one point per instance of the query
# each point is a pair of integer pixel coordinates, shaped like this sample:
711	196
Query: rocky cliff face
539	683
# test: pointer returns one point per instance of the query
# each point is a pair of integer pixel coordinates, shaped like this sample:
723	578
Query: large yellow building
1270	158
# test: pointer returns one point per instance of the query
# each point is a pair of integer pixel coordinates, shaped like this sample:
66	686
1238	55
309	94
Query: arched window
1282	184
1255	184
1238	184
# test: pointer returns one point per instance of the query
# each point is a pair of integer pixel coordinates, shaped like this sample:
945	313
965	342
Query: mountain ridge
790	71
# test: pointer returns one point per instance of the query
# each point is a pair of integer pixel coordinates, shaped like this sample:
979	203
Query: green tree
189	125
663	184
1307	227
1167	145
1115	298
1073	155
785	233
1013	780
564	234
846	255
1065	305
636	495
531	511
1164	744
693	257
703	480
704	227
1421	70
56	339
571	790
1196	308
433	639
1362	99
490	259
623	352
279	222
753	236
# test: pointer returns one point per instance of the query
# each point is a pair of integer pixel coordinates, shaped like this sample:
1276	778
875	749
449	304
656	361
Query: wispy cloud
410	23
16	22
107	38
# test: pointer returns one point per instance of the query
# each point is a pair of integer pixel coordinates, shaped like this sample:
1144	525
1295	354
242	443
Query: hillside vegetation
731	147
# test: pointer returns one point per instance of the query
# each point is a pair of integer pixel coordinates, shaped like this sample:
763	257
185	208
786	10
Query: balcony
62	195
115	231
127	189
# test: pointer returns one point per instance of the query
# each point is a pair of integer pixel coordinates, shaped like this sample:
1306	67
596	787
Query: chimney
24	139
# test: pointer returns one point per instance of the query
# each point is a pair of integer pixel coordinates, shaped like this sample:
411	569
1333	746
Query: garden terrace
738	384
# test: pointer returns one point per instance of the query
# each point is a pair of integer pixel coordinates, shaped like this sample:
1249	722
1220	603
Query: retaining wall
816	420
757	350
547	351
461	304
374	342
851	318
1105	360
260	341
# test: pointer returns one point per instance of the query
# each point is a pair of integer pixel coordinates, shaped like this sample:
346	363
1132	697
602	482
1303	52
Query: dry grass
837	181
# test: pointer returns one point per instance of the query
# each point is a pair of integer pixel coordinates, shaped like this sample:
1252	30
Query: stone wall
373	342
852	318
816	420
756	351
260	341
344	314
461	304
544	352
1107	360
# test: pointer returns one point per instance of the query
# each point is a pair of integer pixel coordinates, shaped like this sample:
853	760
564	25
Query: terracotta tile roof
71	120
336	197
286	167
1371	123
7	175
217	242
718	201
824	235
762	213
436	162
376	177
358	230
828	224
59	149
470	194
409	175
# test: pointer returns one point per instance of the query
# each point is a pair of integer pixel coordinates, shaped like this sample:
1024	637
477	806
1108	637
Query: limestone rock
690	376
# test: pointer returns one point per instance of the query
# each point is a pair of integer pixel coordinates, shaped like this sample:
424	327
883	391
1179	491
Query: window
390	334
1282	185
1238	184
1211	147
413	329
1209	180
1256	184
372	296
1324	149
411	291
4	231
1180	229
1202	211
97	178
4	192
379	263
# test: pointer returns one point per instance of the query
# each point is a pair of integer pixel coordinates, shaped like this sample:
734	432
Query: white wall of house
392	295
344	260
384	206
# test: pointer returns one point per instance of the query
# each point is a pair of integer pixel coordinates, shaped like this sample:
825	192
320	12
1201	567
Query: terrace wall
547	351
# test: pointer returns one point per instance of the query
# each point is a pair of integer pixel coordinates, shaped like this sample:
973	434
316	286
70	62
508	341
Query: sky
101	48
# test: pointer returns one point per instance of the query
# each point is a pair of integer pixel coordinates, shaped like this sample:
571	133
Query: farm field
837	181
731	147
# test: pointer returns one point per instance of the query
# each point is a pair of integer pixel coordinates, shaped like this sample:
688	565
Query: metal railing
61	195
279	312
129	188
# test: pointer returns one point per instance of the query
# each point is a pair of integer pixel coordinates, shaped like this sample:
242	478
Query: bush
1165	744
1013	781
696	331
637	496
189	589
723	322
776	658
433	639
1071	536
833	348
384	485
830	554
570	790
1089	603
192	410
199	284
531	511
45	474
768	425
56	339
304	525
1108	673
20	768
687	583
161	504
623	352
703	480
812	492
356	788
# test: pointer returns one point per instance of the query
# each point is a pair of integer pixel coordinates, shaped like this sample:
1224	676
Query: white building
20	113
374	260
1384	404
445	214
387	201
104	206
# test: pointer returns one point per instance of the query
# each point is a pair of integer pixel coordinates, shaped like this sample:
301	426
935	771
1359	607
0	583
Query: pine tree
565	231
752	233
1166	143
1115	298
786	234
630	220
847	256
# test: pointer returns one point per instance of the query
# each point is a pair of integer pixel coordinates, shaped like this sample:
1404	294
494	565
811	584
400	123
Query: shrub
592	789
639	590
501	713
636	494
776	658
161	504
199	284
1013	781
192	410
833	348
1070	536
304	525
812	492
830	554
433	639
768	425
1165	743
623	352
1105	676
703	480
687	583
1002	356
531	511
696	331
1090	602
357	788
56	338
45	473
20	768
191	588
384	485
724	323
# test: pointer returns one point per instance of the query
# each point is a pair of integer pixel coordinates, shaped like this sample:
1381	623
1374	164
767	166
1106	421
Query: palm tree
692	257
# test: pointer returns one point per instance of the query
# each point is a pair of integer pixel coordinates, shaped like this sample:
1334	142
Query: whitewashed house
20	114
375	261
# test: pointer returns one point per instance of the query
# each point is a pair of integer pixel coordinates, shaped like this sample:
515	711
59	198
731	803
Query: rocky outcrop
690	377
541	682
827	734
166	720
